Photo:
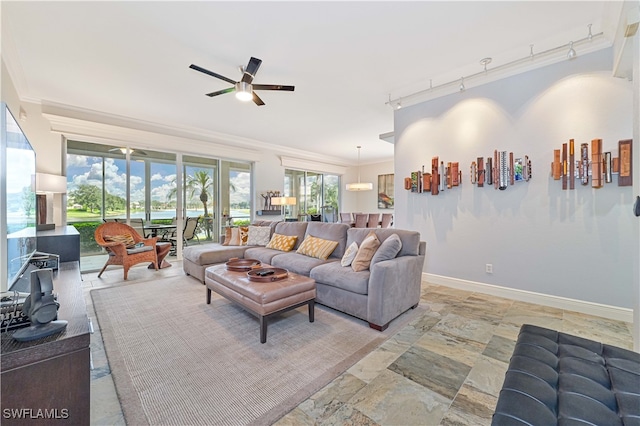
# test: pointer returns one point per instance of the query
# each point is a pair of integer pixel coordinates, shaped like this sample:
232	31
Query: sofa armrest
394	287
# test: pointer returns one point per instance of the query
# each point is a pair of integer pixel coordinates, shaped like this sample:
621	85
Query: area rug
177	360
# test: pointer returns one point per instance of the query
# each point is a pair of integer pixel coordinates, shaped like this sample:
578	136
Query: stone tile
471	407
348	416
369	367
533	309
457	348
487	375
603	330
392	399
471	329
105	407
295	417
324	403
518	318
440	374
500	348
507	330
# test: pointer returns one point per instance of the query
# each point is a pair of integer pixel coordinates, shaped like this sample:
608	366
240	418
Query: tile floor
445	368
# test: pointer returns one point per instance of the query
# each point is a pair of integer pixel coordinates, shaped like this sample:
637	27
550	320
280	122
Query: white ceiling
131	59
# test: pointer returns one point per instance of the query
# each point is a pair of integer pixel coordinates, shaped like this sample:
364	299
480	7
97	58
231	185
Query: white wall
578	244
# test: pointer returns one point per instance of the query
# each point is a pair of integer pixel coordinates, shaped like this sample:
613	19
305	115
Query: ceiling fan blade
273	87
221	92
257	100
251	70
211	73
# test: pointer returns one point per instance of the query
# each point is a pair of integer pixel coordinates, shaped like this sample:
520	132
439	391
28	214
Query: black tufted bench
559	379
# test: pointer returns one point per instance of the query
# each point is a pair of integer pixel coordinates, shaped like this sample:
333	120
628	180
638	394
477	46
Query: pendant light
359	186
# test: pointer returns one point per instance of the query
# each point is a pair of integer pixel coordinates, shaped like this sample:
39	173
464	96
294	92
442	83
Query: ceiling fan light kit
245	89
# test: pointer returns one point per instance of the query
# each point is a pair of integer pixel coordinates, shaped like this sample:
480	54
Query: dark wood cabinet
63	241
47	381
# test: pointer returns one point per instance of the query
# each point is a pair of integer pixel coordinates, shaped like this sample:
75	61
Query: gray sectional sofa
377	295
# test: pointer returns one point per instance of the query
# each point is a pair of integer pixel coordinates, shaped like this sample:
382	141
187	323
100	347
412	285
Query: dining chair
374	220
387	220
361	220
346	218
188	232
138	225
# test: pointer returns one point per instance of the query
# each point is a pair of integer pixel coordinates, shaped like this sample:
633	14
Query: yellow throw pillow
126	239
365	253
317	247
282	242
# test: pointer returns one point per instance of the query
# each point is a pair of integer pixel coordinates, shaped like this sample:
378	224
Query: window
316	193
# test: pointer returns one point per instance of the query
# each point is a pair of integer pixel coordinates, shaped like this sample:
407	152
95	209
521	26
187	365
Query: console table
62	240
47	381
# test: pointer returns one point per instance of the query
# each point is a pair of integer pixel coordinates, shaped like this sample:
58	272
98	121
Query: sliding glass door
139	187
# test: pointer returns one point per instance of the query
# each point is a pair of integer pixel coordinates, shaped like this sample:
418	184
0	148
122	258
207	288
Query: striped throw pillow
126	239
317	247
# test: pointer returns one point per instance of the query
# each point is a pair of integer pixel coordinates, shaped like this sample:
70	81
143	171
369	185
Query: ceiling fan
245	89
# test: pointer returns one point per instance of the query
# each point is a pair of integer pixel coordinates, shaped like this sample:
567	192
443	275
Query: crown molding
311	165
71	120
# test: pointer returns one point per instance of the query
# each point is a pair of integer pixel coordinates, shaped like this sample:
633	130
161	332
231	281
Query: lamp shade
283	201
359	186
46	182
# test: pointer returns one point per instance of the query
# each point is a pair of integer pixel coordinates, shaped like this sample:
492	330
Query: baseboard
590	308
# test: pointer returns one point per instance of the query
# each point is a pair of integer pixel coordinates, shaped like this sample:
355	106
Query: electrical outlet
488	268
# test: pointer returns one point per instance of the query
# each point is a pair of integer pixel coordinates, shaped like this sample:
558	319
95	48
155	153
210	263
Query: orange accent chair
110	235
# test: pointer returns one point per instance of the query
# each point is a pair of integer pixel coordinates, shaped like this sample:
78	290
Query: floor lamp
47	185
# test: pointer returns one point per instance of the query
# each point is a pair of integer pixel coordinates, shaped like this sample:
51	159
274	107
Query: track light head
461	87
571	54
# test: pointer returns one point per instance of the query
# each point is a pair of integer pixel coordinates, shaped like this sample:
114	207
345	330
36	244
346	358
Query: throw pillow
258	235
282	242
317	247
126	239
349	254
365	253
236	236
389	249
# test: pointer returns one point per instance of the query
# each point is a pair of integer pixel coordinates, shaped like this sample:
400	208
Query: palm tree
201	182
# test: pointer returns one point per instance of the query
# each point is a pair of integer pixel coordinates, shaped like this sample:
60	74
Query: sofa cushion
212	254
365	253
236	236
140	249
297	263
292	228
282	242
388	249
335	275
317	247
258	235
263	254
410	239
330	231
349	254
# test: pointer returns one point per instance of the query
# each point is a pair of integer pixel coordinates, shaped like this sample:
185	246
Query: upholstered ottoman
558	379
263	299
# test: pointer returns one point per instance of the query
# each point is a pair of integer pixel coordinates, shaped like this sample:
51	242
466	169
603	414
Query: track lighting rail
460	83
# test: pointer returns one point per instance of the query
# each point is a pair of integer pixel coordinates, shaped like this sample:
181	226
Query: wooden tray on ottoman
242	265
265	275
